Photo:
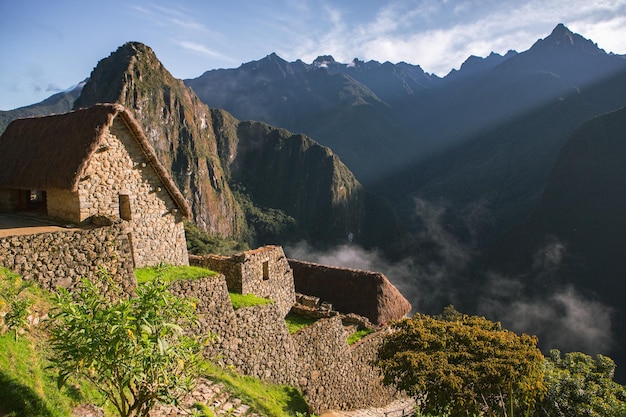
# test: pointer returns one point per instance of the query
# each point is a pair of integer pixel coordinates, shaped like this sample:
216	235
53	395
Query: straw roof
54	151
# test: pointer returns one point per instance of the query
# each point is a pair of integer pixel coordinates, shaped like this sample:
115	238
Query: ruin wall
317	360
264	272
368	294
61	259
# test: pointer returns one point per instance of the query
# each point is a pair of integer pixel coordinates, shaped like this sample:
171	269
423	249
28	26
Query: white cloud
439	36
203	50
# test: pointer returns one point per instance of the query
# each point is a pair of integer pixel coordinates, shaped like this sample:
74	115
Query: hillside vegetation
29	384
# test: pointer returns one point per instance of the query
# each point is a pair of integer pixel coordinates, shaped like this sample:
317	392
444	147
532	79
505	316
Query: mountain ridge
203	149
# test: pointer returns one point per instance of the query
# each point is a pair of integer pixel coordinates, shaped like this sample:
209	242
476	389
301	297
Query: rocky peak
563	38
178	125
323	61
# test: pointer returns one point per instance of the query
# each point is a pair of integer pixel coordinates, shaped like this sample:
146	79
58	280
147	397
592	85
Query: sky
48	46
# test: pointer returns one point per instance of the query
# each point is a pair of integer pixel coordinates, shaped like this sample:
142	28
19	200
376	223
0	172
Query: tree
581	386
134	350
462	365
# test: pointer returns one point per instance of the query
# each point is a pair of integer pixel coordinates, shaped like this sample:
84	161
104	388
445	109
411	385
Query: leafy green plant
28	386
463	365
133	350
169	273
203	410
579	385
295	322
15	306
247	300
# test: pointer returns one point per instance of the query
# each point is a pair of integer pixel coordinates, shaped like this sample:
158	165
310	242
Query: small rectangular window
266	270
125	212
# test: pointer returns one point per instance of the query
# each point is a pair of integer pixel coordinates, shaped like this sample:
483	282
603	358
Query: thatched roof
54	151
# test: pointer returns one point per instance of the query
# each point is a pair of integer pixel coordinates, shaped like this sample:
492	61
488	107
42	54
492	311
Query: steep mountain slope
583	205
514	119
178	125
331	107
209	152
582	210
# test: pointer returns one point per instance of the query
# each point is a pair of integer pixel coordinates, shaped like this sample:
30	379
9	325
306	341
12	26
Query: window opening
266	270
125	212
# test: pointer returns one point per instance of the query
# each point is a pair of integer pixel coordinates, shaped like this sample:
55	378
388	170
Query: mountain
58	103
582	211
332	107
241	179
178	125
463	159
518	114
488	132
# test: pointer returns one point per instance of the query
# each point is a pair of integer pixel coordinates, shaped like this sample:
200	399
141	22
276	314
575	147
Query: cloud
564	319
203	50
560	315
439	36
428	282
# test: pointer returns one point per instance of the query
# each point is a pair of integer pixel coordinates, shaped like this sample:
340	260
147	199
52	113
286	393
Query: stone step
209	393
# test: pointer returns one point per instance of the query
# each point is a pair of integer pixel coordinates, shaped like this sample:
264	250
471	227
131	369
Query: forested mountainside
576	235
488	132
245	181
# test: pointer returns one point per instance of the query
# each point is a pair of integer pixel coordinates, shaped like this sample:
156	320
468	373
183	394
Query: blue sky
50	45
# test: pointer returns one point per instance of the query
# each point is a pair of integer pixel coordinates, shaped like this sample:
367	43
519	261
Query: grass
295	322
171	273
28	384
247	300
264	398
358	335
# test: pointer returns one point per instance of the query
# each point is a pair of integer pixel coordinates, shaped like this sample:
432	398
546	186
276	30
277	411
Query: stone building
264	272
366	293
93	164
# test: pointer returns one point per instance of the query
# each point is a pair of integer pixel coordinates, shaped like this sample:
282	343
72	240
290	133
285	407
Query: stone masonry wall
254	340
368	294
119	170
60	259
335	375
263	345
317	360
264	272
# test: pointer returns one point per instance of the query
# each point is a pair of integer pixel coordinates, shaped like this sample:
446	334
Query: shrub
463	365
581	386
133	350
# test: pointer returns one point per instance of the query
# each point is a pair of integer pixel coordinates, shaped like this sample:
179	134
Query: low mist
561	316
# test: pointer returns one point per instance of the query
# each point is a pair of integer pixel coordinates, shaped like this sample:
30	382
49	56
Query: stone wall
117	171
335	375
214	307
368	294
317	360
61	259
264	272
254	340
263	346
